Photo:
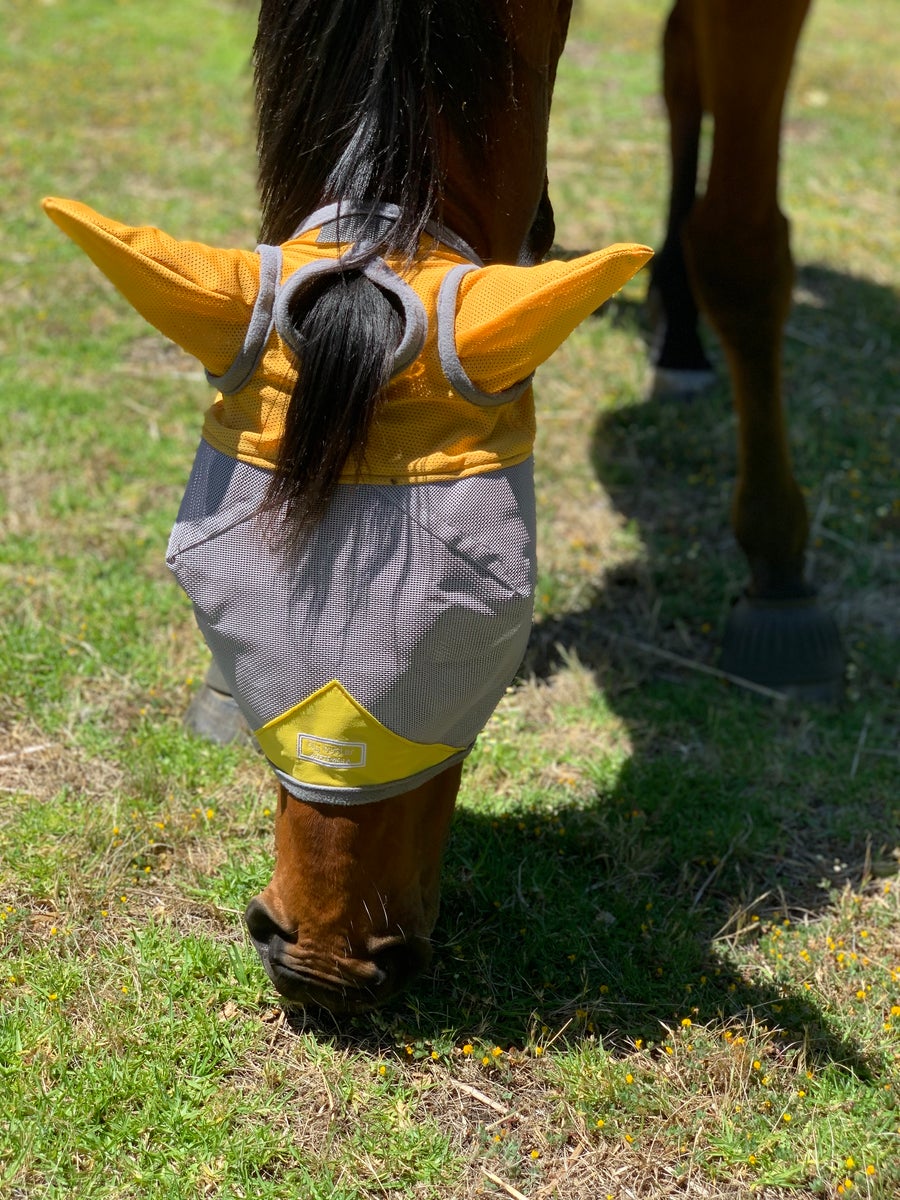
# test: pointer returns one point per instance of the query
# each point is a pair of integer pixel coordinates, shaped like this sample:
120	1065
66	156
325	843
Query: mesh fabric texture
508	321
418	600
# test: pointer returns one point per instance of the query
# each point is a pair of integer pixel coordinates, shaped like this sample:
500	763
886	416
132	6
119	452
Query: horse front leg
680	365
737	249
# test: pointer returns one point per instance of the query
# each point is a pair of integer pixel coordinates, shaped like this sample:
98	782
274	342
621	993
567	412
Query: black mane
355	100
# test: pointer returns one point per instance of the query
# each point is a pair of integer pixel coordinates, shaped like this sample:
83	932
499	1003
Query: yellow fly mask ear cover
509	320
200	297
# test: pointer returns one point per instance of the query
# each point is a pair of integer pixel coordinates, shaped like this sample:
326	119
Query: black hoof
792	646
213	713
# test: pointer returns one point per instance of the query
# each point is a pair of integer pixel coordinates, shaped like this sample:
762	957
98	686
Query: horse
357	532
390	107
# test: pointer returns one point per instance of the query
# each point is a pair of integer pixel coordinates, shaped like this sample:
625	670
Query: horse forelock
357	101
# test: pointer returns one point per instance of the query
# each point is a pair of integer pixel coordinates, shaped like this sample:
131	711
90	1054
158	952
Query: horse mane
354	99
358	101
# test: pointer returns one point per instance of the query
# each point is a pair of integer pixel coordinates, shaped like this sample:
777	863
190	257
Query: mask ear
509	320
199	297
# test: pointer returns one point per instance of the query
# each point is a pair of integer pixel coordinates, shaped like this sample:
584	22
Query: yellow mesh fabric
509	320
199	297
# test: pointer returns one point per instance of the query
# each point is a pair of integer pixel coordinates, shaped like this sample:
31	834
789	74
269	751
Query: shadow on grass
619	915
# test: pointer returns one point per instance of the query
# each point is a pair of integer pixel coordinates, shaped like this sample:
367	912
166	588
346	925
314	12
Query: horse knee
742	275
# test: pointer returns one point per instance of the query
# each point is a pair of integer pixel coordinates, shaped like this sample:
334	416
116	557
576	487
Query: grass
668	956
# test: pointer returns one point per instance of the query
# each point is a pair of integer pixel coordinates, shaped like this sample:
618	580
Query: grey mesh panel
417	598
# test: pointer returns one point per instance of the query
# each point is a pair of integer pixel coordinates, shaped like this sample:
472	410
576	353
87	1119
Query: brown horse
347	917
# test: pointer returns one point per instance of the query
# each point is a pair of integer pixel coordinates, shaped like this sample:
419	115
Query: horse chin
341	985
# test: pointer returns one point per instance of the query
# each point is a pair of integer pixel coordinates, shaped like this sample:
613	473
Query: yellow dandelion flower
485	1062
850	1163
757	1065
210	813
629	1078
895	1010
600	1122
53	996
870	1170
538	1050
638	1043
467	1048
686	1022
434	1054
628	1138
382	1070
123	989
787	1118
535	1154
496	1052
751	1159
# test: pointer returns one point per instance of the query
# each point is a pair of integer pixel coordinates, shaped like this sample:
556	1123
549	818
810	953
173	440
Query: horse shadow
616	916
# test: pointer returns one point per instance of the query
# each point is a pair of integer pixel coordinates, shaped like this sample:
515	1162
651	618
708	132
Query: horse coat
368	659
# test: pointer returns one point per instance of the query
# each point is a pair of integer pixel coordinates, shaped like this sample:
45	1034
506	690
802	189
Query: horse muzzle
355	981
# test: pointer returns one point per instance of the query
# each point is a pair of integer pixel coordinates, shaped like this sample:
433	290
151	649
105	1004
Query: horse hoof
213	713
792	646
673	383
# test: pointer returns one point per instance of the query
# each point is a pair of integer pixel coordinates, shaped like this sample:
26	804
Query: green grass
670	914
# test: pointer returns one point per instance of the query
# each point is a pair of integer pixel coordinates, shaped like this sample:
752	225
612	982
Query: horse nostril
261	925
400	961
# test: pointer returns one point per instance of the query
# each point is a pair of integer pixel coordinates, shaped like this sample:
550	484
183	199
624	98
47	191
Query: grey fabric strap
343	222
261	321
415	324
447	352
347	222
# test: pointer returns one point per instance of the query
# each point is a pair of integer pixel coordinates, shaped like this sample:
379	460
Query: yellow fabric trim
330	740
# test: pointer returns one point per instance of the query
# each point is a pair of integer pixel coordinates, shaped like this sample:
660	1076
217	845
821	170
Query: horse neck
504	213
